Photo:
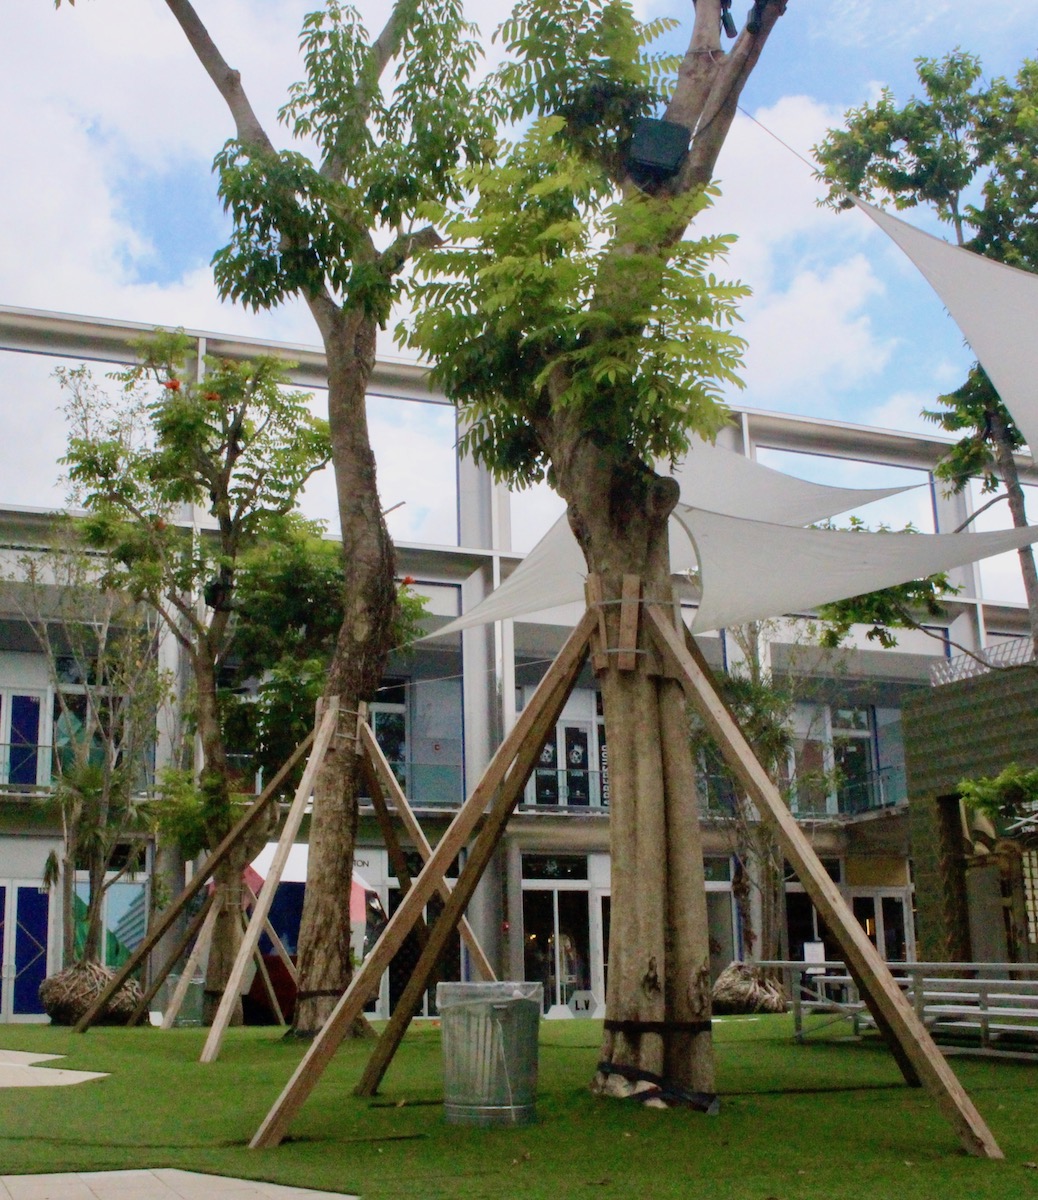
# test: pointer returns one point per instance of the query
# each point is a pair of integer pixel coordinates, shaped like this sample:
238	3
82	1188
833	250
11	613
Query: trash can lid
452	995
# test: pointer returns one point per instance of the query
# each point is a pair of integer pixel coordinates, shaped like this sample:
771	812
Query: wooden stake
490	834
627	646
384	775
250	942
198	952
182	944
885	999
201	877
366	980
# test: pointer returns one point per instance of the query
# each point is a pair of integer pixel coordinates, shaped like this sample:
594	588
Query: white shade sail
751	570
554	571
994	305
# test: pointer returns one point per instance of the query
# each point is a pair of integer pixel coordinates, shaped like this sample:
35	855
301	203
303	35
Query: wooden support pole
487	841
383	773
893	1013
250	942
275	941
627	645
249	818
560	677
198	952
182	943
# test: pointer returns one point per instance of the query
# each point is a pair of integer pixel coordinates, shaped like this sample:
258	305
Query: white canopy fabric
751	570
554	571
994	305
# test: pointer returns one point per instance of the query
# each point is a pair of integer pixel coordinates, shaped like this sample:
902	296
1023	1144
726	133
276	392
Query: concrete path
17	1070
150	1185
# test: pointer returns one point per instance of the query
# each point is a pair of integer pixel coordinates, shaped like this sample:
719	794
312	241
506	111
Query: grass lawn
825	1121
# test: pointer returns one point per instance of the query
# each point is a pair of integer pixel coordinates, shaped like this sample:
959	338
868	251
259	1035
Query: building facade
543	909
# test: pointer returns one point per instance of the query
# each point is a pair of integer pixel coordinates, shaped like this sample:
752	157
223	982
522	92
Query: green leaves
885	610
553	295
391	119
1010	794
235	443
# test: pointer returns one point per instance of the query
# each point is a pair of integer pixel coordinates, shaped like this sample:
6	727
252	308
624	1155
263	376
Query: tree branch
227	80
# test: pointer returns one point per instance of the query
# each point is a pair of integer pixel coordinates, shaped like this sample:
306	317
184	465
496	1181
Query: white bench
989	1006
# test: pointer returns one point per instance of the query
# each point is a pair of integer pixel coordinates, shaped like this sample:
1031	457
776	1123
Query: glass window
554	866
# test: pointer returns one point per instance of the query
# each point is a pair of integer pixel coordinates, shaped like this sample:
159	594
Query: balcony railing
1014	653
878	790
581	791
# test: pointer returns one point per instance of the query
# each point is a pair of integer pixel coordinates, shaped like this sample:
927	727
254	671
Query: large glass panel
25	738
390	728
3	927
554	866
864	909
30	948
546	776
577	750
722	939
895	941
539	942
574	945
852	758
812	783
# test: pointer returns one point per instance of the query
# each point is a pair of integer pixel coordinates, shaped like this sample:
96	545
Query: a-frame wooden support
257	810
500	787
920	1060
326	727
911	1044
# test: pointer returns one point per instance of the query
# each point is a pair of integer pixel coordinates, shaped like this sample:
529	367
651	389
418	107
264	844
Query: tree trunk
1015	496
658	1001
369	605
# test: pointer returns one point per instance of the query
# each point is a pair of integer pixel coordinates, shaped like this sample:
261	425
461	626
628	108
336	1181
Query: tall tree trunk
369	606
658	1001
1015	496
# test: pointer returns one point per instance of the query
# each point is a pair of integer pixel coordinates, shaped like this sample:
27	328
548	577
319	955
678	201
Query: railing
1014	653
990	1005
877	790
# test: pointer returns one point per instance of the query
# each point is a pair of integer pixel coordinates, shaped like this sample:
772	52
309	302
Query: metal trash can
489	1051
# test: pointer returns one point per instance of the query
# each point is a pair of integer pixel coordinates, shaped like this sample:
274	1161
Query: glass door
556	946
20	725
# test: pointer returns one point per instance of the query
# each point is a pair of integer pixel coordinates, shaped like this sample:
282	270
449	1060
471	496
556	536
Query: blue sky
109	208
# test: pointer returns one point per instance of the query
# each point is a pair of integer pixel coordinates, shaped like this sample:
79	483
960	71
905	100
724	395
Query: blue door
24	921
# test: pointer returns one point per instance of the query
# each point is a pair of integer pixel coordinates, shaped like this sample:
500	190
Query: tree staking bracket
913	1048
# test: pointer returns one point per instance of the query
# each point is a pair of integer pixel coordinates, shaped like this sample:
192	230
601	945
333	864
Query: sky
108	208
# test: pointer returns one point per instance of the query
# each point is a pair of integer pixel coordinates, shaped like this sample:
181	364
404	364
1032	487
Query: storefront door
24	921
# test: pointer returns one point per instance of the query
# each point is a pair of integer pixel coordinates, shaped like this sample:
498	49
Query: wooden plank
595	596
366	979
627	646
885	999
201	877
384	775
160	977
275	941
198	951
268	983
250	942
490	834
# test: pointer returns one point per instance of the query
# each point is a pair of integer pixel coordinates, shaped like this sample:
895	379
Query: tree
234	444
100	647
966	150
313	228
583	339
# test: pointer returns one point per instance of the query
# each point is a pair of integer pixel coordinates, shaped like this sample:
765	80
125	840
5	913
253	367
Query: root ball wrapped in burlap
744	988
67	995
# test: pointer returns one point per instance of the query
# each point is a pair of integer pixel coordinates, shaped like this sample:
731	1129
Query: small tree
965	148
238	447
100	647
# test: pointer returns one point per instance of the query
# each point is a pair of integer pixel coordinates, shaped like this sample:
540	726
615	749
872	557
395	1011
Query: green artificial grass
828	1120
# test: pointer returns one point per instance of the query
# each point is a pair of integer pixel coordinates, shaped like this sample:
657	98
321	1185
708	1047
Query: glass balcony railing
571	790
877	790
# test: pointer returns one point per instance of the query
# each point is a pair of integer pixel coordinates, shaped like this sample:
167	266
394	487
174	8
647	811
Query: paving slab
158	1184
